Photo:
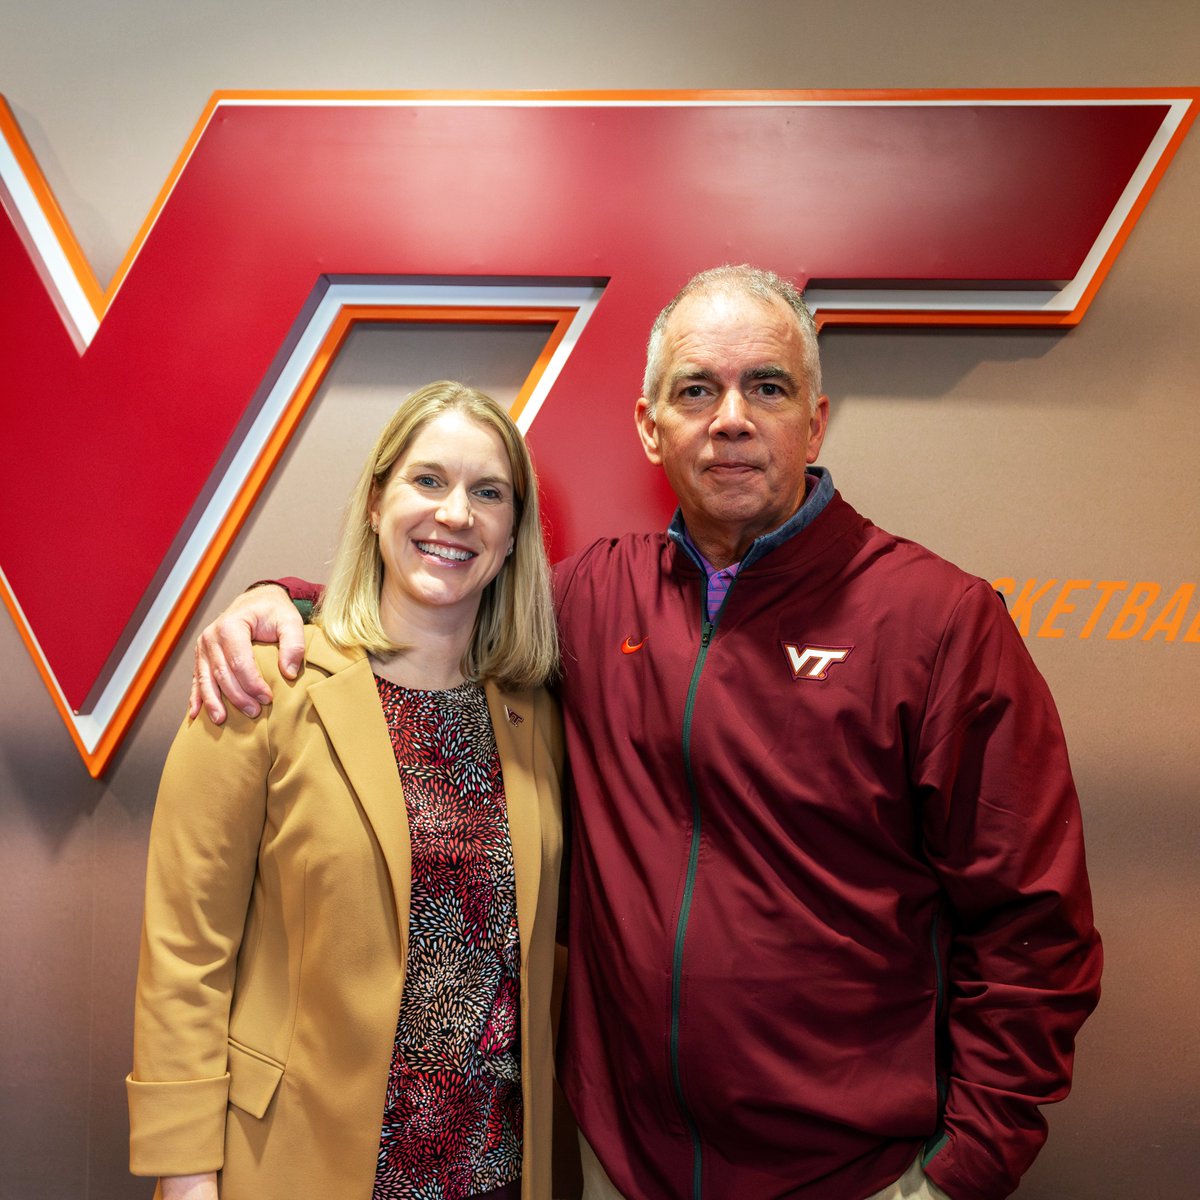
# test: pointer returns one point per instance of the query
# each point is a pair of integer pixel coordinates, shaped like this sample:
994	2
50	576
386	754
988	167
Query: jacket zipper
707	630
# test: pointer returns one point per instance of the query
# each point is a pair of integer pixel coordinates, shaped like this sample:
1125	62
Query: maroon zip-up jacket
828	899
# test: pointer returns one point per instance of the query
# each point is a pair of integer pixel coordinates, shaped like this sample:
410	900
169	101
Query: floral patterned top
452	1118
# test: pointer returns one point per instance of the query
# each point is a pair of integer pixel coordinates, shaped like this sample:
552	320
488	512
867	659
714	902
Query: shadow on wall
921	365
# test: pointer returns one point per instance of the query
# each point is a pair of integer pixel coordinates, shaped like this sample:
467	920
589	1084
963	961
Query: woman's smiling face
445	518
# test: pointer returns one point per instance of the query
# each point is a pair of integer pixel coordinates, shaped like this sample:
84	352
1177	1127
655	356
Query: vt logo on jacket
813	662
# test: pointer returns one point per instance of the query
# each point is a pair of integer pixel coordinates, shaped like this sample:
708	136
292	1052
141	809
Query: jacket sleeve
204	839
1002	830
304	595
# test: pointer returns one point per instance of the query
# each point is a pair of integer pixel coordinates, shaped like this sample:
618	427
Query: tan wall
1027	455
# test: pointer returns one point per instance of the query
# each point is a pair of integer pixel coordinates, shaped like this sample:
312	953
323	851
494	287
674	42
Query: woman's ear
373	507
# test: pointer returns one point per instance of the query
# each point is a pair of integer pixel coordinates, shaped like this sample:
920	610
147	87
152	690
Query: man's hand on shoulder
225	669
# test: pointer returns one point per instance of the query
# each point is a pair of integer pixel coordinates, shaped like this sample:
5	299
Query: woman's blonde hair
514	641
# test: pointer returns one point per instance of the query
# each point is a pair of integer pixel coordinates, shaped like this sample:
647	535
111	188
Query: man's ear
818	422
647	429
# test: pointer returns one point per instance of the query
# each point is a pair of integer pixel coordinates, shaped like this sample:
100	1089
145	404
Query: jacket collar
819	495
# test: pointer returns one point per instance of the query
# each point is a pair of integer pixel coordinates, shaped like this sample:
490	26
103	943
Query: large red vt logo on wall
140	423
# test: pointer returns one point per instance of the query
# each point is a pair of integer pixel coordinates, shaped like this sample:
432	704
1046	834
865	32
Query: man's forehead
709	313
709	324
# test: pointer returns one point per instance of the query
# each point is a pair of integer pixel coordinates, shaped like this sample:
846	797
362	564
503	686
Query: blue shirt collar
819	495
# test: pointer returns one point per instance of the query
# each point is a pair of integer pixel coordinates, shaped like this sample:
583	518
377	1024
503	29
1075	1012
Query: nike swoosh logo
627	647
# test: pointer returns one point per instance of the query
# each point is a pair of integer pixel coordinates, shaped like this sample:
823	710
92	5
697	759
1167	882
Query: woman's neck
414	672
435	641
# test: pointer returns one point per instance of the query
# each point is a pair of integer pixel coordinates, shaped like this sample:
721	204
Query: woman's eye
426	481
489	493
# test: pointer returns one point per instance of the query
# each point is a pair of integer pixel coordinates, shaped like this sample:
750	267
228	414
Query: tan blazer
276	935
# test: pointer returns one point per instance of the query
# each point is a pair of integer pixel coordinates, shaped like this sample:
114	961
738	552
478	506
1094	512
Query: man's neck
725	553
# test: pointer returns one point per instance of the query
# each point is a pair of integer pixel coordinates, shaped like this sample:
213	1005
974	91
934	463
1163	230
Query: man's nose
455	510
732	416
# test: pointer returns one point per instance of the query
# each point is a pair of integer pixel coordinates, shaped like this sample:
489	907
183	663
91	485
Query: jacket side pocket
253	1079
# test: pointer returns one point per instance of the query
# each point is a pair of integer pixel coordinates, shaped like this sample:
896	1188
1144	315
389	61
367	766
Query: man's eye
694	391
770	390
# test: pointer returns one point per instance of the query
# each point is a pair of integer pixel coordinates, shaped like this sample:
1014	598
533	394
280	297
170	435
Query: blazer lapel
347	703
513	723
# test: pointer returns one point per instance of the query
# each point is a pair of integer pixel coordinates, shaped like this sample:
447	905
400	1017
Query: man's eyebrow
759	374
690	374
770	371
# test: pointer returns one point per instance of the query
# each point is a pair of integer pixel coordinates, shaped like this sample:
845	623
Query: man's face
733	426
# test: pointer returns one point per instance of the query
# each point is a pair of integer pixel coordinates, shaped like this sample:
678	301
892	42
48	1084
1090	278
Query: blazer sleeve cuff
177	1128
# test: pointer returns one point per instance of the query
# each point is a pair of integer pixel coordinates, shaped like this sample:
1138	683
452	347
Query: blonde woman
345	977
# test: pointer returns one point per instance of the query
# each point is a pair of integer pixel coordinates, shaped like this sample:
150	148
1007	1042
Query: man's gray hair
751	281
